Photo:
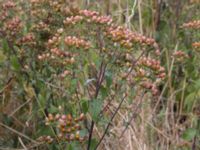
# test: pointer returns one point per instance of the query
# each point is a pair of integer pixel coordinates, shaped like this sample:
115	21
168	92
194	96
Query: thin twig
108	125
21	142
133	115
7	85
134	63
109	102
17	132
140	16
98	85
19	107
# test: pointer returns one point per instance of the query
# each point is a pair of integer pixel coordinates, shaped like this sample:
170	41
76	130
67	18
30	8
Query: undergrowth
99	75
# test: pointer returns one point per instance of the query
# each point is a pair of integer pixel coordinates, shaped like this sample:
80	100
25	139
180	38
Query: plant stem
108	125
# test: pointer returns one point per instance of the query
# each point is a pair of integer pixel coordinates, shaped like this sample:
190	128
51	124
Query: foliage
70	76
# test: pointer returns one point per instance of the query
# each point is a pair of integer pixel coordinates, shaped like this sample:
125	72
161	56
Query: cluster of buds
141	72
68	128
65	73
13	25
154	65
93	16
101	19
73	20
3	15
95	19
48	56
29	38
56	39
36	1
180	55
57	52
8	5
88	13
56	5
41	26
194	24
194	1
126	37
151	86
68	58
77	42
196	44
69	61
46	139
44	56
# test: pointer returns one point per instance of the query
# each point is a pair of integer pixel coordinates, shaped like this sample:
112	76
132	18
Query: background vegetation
100	74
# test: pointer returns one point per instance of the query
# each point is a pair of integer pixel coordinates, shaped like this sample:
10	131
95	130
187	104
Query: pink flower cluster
180	55
44	56
3	15
8	5
193	24
67	126
41	26
95	17
46	139
29	38
101	19
72	20
126	37
68	58
54	41
151	86
196	44
77	42
60	53
154	65
13	25
88	13
65	73
141	72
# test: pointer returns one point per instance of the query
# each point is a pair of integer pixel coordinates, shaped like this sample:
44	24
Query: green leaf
95	58
44	130
53	109
25	30
74	83
70	147
197	84
104	92
93	144
189	134
2	57
189	100
73	146
108	77
5	46
95	108
42	100
85	105
83	132
15	63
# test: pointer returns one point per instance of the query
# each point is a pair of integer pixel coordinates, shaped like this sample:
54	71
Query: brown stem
108	125
134	114
98	85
